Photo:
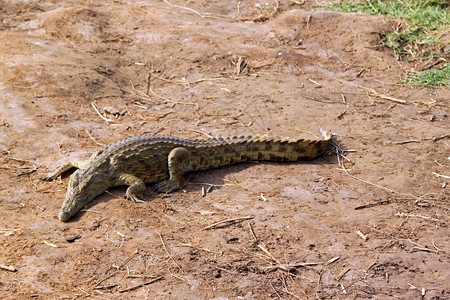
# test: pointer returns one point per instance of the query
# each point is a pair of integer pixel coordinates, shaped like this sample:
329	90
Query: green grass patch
424	38
430	77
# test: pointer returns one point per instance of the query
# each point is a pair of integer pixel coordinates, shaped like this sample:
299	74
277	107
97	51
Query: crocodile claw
133	197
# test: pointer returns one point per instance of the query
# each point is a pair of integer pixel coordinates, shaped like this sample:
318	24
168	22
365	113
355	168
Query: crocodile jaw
73	202
82	190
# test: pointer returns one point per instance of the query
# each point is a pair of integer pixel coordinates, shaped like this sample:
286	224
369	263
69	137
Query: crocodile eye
74	179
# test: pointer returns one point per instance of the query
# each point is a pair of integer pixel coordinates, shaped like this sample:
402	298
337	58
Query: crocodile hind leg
65	167
136	186
179	162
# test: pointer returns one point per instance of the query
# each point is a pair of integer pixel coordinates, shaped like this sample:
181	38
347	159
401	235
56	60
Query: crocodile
160	159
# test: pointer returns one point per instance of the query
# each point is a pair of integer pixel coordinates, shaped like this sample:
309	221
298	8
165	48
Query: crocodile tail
286	149
220	152
261	147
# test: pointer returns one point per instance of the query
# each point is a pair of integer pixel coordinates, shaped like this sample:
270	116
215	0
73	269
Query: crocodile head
84	186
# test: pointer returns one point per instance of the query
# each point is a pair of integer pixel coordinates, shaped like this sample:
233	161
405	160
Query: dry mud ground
222	68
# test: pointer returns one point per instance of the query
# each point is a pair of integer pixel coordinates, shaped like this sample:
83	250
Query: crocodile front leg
65	167
136	186
79	164
179	162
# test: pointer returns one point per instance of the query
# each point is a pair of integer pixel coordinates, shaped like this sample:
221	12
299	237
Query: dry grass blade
374	93
197	13
145	96
228	222
260	246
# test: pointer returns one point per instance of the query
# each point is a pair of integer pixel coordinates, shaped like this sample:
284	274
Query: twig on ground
417	216
140	285
440	175
241	65
167	251
275	290
143	276
197	13
260	246
35	168
341	114
84	291
19	160
126	260
370	266
426	249
412	286
204	249
435	139
319	285
315	82
182	82
19	168
308	21
107	277
201	132
361	235
106	287
238	8
373	204
92	138
374	93
175	220
291	267
143	95
50	244
177	277
299	287
8	231
368	182
435	247
230	221
285	290
429	66
251	231
340	153
8	268
331	260
100	114
406	142
343	272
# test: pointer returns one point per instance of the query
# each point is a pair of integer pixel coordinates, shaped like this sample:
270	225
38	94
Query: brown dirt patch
285	75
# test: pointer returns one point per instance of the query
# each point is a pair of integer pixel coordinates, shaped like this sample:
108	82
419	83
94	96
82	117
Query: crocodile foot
50	176
167	186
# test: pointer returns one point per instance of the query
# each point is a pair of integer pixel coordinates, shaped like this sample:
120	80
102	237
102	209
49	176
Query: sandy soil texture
367	222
